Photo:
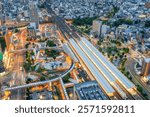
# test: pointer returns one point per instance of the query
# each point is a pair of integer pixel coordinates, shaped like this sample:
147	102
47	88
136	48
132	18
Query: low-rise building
90	91
42	95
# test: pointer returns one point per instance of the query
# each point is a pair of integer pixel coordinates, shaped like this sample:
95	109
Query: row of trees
84	21
29	61
140	89
113	12
122	21
2	43
116	42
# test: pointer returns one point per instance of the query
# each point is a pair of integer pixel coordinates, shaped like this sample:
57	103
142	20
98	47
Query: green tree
16	30
42	78
66	78
84	21
27	66
147	23
126	50
2	43
139	88
123	21
50	43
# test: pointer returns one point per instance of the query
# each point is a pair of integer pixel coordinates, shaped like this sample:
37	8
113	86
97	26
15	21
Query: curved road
136	78
42	82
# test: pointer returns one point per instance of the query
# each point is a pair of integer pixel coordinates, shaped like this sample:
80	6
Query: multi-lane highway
14	64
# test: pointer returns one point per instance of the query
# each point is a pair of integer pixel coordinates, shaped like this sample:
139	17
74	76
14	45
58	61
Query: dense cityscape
74	49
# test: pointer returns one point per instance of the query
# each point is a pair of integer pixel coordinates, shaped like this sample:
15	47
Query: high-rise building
146	67
104	29
97	26
34	17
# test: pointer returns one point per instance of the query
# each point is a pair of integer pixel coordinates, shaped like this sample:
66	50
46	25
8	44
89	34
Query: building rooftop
99	77
90	91
110	67
43	95
147	60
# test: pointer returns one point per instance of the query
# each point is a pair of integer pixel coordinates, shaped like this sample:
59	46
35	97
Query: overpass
42	82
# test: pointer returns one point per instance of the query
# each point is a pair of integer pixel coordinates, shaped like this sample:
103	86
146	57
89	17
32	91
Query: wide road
19	77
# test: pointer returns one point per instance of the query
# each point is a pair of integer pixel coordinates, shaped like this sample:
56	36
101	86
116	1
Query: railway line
110	79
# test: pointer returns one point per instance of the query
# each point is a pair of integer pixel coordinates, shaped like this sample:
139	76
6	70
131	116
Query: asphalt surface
136	78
